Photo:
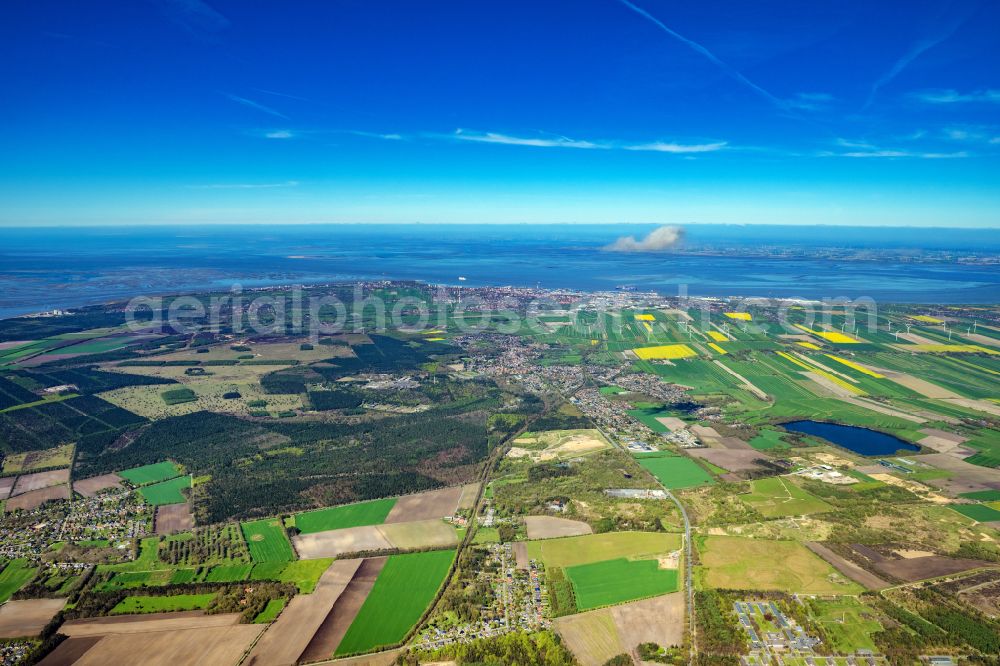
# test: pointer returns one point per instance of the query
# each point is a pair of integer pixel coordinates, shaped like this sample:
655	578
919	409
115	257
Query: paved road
687	569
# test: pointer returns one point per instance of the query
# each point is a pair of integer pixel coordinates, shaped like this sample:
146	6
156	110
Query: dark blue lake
860	440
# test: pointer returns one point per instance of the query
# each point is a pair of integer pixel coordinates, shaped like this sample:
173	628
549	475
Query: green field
304	573
739	563
348	515
14	576
674	471
978	512
401	593
847	623
983	495
178	396
776	497
228	573
768	439
160	471
573	551
619	580
648	415
267	541
166	492
270	612
176	602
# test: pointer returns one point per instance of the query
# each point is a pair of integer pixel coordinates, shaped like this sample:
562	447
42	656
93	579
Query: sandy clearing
27	617
147	623
36	498
37	480
657	620
188	647
919	489
846	567
287	637
329	634
172	518
426	505
545	527
6	485
419	534
95	484
333	543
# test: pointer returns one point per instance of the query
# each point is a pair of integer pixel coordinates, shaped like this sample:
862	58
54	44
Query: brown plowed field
287	637
172	518
848	568
326	639
425	506
93	485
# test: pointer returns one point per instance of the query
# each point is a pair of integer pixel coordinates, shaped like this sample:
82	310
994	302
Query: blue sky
191	111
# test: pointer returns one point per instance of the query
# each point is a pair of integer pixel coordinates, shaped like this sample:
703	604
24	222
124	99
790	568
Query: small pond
860	440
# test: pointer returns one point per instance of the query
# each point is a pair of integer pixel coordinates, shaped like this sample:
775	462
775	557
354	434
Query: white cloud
658	240
951	96
566	142
279	134
678	148
554	142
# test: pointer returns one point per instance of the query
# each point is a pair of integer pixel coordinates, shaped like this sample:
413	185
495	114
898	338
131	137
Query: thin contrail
915	52
728	69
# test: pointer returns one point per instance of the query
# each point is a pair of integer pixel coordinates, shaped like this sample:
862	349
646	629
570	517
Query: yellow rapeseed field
645	317
960	349
808	345
854	366
822	373
742	316
718	337
927	319
830	336
717	348
668	352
